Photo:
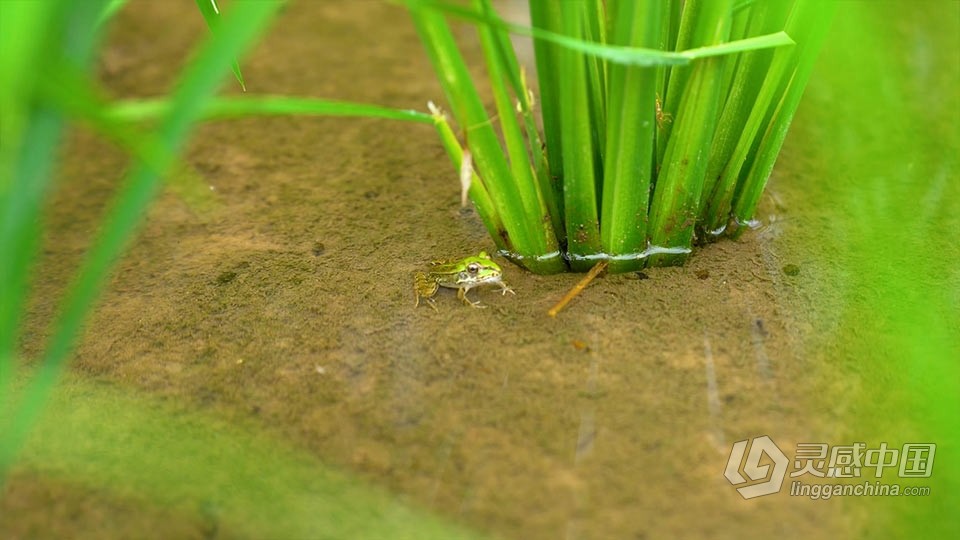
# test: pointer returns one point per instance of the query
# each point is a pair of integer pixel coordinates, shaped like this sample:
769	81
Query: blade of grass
595	31
676	198
546	15
523	175
678	75
630	134
244	106
579	152
668	42
611	53
814	21
22	175
754	71
525	235
198	83
110	10
739	29
211	14
478	192
550	191
40	34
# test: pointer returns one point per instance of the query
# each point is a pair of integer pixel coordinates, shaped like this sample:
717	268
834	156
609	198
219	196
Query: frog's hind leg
462	295
425	288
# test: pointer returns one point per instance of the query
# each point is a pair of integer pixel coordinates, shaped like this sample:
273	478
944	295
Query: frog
463	275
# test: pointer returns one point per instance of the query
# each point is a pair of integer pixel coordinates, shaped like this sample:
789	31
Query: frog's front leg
504	289
424	287
462	295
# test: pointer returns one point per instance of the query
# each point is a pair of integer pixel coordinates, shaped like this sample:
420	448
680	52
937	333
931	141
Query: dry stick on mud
594	272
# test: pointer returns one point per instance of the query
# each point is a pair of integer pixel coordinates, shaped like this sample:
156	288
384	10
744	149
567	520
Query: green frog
462	275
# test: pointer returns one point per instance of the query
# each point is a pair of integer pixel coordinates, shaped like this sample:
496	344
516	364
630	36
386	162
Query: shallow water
267	302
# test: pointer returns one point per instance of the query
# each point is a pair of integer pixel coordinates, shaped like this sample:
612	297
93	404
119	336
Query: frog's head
478	270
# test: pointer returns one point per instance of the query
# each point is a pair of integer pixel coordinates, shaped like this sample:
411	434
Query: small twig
578	288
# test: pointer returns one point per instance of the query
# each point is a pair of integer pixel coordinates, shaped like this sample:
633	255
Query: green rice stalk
631	128
742	18
577	145
742	114
670	19
546	15
550	190
198	83
523	229
534	202
675	12
550	186
676	76
676	198
576	70
811	21
739	29
595	31
478	192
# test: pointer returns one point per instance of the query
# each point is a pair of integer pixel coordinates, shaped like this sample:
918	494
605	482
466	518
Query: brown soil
282	296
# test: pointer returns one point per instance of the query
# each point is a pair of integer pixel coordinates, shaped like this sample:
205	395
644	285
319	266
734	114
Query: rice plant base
660	122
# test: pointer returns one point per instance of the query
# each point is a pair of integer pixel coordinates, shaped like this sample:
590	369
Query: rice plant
661	121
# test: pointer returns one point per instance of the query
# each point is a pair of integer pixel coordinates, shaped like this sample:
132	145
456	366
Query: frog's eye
473	268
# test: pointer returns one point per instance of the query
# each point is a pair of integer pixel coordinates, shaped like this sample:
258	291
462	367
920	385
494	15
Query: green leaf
211	14
636	56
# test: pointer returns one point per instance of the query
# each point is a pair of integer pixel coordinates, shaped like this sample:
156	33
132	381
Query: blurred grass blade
211	14
39	34
110	10
71	92
222	108
197	84
23	170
